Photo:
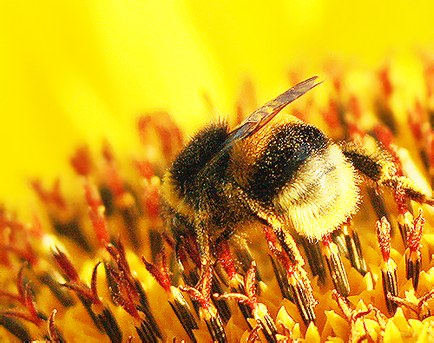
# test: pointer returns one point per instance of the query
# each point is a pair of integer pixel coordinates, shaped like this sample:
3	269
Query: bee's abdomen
289	146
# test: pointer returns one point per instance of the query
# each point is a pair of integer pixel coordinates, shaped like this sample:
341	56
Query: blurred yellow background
74	72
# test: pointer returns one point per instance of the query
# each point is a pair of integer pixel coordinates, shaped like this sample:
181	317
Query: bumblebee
275	170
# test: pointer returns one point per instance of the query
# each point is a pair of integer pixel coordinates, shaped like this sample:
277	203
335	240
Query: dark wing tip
263	115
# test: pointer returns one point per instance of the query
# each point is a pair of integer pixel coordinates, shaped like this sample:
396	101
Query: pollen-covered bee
276	170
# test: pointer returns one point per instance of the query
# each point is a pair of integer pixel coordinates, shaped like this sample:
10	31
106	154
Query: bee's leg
407	187
206	260
378	166
295	285
329	249
298	284
269	218
203	243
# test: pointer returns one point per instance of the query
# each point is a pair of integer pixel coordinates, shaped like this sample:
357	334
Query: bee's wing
267	112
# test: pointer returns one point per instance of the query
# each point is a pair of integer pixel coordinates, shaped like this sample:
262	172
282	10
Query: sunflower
105	95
